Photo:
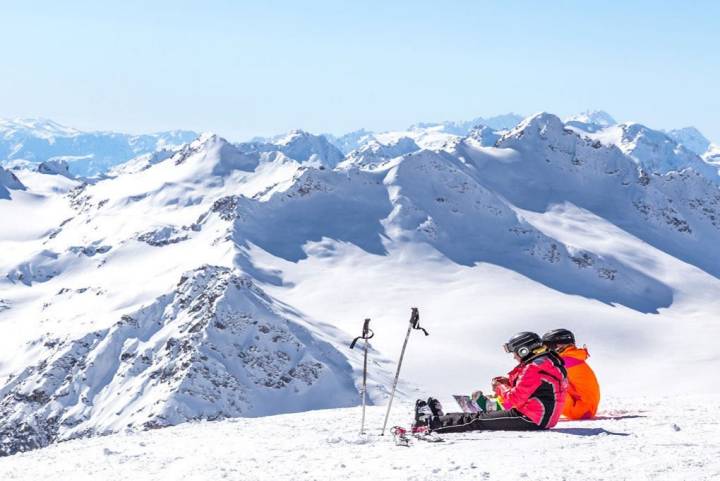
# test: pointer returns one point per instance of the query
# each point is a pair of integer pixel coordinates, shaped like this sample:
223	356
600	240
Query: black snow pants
507	420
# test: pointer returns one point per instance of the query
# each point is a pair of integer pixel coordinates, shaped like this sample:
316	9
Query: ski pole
366	334
414	324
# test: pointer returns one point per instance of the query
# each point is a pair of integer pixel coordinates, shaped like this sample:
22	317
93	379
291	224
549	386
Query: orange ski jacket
583	394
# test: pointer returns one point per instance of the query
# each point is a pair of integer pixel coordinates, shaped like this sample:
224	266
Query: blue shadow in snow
586	432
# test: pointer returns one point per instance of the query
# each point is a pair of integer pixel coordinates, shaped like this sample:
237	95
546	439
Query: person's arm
518	395
573	395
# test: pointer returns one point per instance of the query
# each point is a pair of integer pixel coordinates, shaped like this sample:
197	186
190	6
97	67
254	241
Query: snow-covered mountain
215	346
598	118
691	139
350	141
426	134
373	152
653	150
301	146
221	280
207	344
87	153
498	122
8	180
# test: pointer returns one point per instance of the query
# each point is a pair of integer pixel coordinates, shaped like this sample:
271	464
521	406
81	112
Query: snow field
632	439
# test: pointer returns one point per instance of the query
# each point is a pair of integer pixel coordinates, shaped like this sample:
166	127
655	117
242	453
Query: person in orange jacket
583	394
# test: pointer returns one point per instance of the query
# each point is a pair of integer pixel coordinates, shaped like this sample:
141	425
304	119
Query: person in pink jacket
532	394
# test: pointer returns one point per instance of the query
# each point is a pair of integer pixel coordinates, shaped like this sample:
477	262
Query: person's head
522	345
558	339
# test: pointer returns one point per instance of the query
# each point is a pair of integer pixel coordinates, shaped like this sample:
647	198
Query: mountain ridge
248	225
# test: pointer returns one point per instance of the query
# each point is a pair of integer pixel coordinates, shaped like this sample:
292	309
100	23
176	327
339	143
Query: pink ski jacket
537	389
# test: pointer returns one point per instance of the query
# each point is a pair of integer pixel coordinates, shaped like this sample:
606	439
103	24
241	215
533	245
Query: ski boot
423	413
435	406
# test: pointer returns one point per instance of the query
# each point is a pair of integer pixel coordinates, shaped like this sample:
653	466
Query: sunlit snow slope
221	280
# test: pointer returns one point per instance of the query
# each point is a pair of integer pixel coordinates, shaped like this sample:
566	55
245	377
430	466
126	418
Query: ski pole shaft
364	388
397	376
366	335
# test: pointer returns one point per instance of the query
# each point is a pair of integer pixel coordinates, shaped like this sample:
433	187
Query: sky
258	68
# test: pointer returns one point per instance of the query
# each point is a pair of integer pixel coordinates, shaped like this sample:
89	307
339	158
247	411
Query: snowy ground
665	439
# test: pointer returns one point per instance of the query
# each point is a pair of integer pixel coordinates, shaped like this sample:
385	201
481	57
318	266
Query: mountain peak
211	149
292	136
8	180
594	117
303	146
542	122
54	167
691	138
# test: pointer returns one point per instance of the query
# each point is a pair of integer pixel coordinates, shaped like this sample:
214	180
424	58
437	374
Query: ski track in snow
664	439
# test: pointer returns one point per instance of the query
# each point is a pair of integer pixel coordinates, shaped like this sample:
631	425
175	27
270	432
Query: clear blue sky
250	68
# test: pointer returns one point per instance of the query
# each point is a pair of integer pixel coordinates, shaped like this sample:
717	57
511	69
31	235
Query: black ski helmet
558	337
523	344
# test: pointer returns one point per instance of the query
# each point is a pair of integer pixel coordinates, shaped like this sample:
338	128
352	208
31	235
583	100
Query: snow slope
539	227
632	439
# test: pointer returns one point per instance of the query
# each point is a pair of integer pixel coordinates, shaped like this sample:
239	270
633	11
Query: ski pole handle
415	321
367	333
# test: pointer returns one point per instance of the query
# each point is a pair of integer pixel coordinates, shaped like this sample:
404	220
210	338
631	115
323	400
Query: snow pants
506	420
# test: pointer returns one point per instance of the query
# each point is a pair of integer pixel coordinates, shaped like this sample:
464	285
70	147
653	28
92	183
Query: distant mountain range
90	154
87	153
167	289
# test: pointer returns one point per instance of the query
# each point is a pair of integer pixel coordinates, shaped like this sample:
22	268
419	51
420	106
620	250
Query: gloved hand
476	395
499	380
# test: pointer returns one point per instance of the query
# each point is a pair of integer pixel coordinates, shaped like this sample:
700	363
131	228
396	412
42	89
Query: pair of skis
400	434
